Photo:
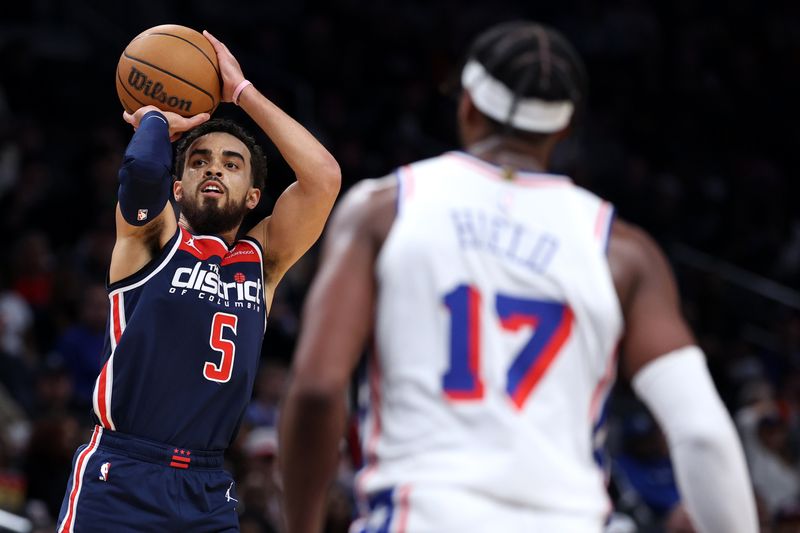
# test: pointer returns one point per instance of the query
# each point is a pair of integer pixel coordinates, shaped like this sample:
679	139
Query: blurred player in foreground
498	296
188	310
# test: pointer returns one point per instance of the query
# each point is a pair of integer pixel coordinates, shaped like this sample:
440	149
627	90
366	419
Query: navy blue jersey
183	344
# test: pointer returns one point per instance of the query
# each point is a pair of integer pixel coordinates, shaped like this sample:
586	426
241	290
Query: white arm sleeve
709	462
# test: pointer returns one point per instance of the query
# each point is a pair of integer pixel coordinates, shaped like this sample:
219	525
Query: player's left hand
229	68
177	123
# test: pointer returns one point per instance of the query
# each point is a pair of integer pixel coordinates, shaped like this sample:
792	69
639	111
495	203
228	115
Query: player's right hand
229	68
177	123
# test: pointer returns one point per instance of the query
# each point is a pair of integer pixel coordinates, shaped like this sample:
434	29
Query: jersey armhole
607	233
257	245
405	186
603	224
167	251
399	200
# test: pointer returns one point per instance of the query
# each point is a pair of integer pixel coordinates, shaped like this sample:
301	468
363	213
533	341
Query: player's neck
507	151
227	236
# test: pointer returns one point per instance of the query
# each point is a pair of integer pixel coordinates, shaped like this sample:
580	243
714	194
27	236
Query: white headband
494	99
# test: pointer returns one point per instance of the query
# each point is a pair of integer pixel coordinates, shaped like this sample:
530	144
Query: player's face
215	191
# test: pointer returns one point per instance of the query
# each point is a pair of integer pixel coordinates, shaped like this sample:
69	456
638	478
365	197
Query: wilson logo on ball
139	81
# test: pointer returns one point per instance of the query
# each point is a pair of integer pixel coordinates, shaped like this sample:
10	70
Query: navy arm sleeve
144	179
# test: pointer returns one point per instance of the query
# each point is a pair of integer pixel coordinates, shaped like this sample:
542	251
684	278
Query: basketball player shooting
188	309
496	296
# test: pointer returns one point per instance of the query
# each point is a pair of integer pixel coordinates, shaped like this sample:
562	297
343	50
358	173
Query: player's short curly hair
258	162
533	61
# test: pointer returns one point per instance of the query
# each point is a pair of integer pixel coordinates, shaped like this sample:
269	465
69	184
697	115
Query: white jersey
497	325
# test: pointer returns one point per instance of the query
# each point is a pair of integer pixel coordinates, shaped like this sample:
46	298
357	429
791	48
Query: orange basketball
171	67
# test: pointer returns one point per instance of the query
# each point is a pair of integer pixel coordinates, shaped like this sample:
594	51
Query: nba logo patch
141	215
104	471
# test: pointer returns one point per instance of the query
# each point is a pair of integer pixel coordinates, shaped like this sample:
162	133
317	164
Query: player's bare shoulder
367	209
633	255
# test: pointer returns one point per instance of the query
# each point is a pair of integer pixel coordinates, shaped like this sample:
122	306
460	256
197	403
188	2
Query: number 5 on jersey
551	323
221	372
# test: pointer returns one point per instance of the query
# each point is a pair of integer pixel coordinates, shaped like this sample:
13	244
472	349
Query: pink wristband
238	90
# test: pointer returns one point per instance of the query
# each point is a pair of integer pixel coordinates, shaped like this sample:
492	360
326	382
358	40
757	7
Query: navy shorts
122	483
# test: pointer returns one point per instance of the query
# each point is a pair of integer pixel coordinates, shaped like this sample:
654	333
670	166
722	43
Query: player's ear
253	196
465	108
177	190
472	123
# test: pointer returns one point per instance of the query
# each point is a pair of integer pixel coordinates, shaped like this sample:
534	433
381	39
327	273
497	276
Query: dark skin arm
648	294
655	328
337	322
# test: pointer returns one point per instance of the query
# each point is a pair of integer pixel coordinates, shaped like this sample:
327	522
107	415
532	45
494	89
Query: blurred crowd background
691	131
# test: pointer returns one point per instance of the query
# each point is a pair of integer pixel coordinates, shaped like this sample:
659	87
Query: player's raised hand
229	68
177	123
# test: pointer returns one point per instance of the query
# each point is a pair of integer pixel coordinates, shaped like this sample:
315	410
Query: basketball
171	67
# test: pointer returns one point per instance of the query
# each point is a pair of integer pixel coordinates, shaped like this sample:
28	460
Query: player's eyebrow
205	152
231	153
200	151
